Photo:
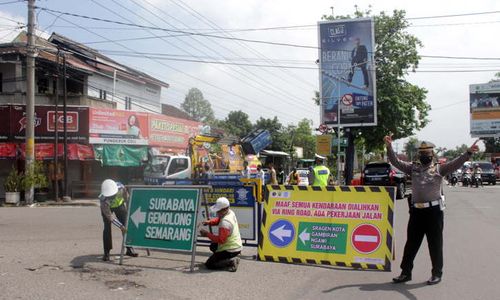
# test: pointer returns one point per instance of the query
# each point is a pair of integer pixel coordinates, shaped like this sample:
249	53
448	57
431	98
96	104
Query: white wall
144	97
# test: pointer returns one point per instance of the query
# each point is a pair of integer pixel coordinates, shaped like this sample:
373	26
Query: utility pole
65	130
30	98
56	133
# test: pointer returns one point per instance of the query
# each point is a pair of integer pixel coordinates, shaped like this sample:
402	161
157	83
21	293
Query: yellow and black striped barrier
347	226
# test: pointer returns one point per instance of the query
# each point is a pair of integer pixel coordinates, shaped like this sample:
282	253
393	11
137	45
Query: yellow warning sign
324	144
349	226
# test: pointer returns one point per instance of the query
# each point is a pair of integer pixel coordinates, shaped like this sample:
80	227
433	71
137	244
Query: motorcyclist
477	174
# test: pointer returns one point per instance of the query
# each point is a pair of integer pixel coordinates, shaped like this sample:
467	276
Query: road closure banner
343	226
163	218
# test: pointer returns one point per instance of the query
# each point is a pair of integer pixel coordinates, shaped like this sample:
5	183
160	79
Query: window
178	165
102	94
128	103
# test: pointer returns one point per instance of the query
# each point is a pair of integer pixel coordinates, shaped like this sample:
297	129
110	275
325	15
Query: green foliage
35	176
13	181
300	136
236	123
401	106
411	148
275	128
492	145
197	106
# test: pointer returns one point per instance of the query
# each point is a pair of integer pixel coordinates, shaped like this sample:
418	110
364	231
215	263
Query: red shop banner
14	128
111	126
45	151
165	131
8	150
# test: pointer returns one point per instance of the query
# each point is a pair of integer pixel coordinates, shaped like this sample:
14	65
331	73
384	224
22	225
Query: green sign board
322	237
343	142
162	218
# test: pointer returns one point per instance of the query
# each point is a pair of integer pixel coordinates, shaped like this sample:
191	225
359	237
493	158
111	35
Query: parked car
384	174
487	172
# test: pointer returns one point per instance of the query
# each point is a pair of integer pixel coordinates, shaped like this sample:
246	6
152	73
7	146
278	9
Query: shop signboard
165	131
15	123
485	109
347	72
124	127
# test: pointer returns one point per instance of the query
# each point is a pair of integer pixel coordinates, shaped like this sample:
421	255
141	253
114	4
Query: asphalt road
54	253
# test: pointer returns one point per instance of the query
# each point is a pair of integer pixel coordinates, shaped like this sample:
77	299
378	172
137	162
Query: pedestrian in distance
319	173
293	177
426	205
226	245
112	200
272	173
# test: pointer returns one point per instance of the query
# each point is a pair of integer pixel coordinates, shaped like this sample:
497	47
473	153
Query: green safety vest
321	174
233	241
117	201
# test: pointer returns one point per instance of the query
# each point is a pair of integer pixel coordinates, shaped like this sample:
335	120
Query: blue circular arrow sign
281	233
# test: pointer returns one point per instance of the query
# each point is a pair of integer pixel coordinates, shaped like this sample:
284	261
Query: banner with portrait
347	73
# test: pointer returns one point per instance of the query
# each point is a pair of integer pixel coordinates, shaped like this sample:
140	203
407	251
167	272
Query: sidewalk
73	202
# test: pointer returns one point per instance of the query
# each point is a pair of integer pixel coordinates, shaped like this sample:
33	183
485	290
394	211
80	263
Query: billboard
347	73
171	132
485	109
14	123
124	127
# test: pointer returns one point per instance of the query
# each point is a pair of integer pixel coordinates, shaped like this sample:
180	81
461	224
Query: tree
492	145
198	107
300	135
237	123
401	106
275	128
411	148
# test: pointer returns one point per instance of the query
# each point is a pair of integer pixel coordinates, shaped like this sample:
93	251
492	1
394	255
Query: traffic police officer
112	200
318	176
426	206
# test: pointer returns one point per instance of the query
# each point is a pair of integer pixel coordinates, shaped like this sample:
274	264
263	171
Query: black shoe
401	278
434	280
105	257
234	264
131	253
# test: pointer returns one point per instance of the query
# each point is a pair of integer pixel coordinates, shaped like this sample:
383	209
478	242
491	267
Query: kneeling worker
228	240
112	200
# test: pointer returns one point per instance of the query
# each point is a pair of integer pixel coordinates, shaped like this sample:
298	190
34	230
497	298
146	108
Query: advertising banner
242	201
124	127
171	132
344	226
163	218
485	109
121	155
14	127
347	72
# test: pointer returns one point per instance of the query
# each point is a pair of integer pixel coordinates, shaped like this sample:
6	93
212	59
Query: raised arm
403	166
451	166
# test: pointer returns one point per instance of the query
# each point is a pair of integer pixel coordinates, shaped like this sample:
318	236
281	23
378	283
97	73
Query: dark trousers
107	239
362	66
428	222
220	260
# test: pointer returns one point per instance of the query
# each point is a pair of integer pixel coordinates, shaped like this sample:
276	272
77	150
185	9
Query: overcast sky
283	92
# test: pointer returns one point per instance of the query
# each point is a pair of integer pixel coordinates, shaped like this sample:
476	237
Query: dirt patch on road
122	284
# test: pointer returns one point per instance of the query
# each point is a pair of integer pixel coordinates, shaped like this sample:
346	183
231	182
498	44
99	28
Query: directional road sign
163	218
281	233
322	237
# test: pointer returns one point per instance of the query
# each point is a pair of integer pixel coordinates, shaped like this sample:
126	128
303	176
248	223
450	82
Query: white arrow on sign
281	232
138	217
304	236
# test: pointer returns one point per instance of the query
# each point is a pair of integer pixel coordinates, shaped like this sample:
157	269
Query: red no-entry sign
366	238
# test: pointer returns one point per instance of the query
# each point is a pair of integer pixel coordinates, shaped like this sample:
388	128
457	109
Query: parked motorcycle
453	179
476	180
466	179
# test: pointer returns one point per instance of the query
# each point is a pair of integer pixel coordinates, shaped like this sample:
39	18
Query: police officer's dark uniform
426	207
112	199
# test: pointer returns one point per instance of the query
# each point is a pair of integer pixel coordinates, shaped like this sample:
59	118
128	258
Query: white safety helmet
220	204
109	188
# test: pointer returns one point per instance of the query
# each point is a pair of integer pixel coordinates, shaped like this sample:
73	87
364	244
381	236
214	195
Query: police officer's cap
319	157
426	146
